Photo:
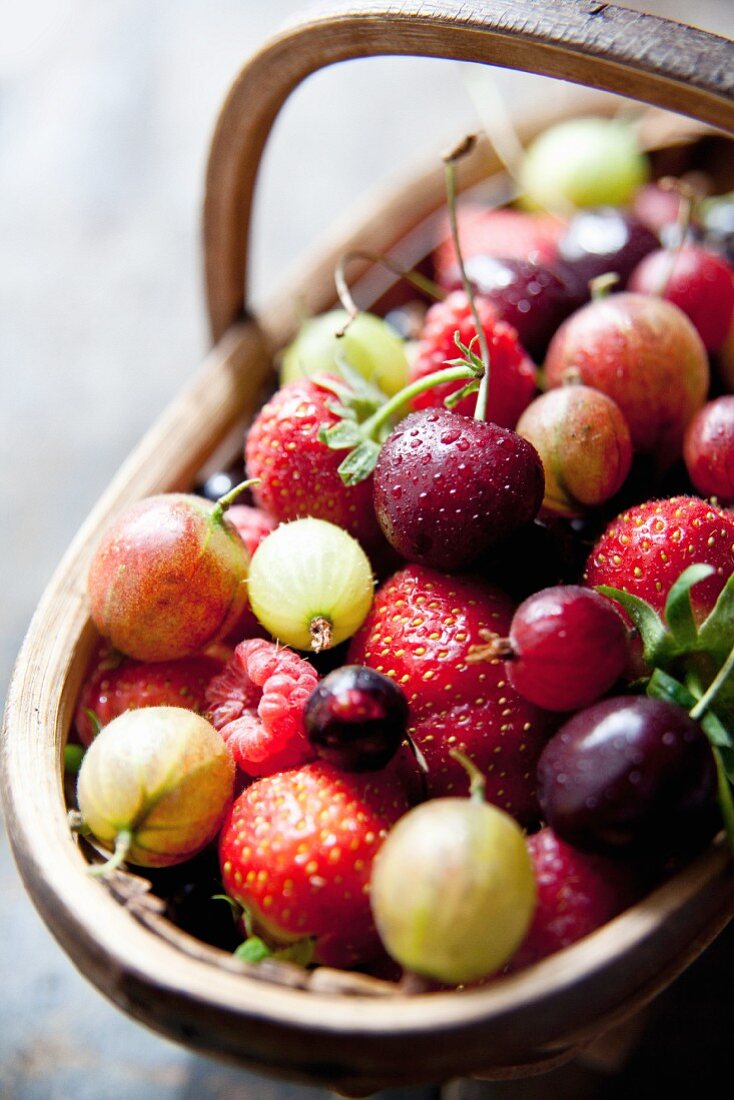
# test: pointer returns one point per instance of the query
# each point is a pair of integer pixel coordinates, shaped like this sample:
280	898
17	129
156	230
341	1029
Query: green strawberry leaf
341	436
719	731
458	395
716	633
359	463
726	795
656	640
253	950
666	687
678	609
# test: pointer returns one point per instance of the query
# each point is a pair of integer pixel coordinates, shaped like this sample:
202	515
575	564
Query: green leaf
717	730
655	639
727	759
678	609
663	686
341	436
726	797
253	950
300	952
716	633
359	463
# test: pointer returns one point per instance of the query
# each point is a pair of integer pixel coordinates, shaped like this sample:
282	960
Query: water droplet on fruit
450	435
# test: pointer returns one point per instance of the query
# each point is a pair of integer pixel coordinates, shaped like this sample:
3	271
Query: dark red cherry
356	718
630	772
532	298
708	449
605	240
447	488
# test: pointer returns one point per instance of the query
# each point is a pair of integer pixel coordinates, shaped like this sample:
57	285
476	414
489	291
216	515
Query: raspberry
257	705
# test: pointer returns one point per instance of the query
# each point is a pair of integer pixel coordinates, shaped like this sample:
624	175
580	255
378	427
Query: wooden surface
91	269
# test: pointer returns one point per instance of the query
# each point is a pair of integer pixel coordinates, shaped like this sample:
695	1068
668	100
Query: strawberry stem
450	160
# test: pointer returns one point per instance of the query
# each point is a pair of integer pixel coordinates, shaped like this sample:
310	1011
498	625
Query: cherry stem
686	195
713	689
123	843
477	782
450	160
420	282
602	284
428	382
229	498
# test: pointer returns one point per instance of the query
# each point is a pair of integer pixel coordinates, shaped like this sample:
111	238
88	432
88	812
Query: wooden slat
639	56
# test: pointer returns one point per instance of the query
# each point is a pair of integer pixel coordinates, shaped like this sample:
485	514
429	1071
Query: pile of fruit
447	682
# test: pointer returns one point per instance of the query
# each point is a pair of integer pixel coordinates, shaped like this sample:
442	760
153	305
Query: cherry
605	240
447	488
708	449
356	718
628	773
698	281
534	299
567	646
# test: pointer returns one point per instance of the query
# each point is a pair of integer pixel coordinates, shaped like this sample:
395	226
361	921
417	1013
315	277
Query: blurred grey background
106	110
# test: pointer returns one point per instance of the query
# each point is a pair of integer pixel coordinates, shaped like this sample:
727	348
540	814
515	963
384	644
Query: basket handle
584	41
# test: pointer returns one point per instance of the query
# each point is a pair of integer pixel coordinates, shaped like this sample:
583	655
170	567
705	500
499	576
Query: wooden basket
334	1029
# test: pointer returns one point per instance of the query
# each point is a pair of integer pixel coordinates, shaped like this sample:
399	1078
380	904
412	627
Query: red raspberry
257	705
512	379
577	893
252	524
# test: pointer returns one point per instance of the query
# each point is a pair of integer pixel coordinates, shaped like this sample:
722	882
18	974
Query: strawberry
645	549
257	705
424	630
117	684
296	852
508	234
512	382
298	472
252	524
577	893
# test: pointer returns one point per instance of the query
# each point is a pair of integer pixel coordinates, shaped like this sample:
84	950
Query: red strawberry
508	234
298	473
512	380
119	684
257	704
644	551
296	851
420	631
252	524
577	893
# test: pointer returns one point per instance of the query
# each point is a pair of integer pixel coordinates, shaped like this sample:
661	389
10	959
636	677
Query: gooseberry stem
123	843
450	160
229	498
477	782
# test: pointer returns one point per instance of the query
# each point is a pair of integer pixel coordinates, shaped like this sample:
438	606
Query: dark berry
356	718
448	488
628	773
605	240
531	298
569	647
